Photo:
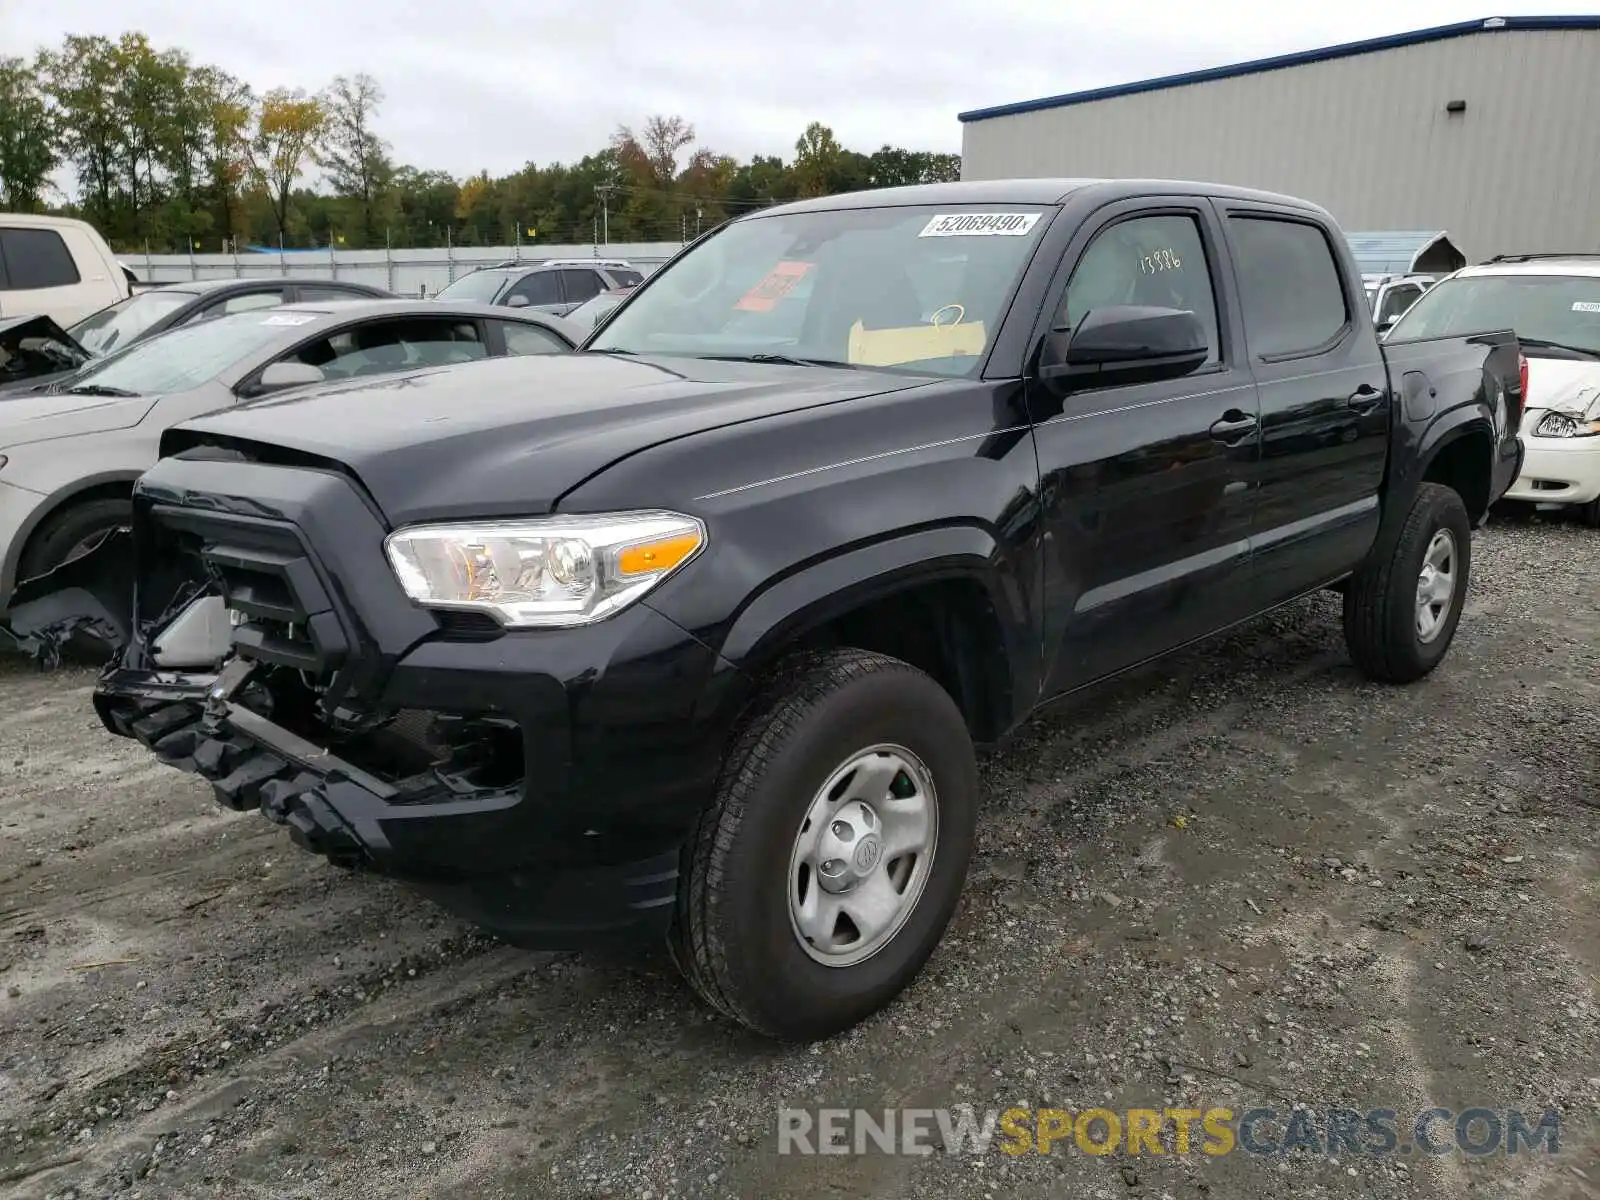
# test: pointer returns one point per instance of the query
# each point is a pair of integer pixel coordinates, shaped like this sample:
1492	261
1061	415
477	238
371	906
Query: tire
1589	514
1382	619
62	532
735	935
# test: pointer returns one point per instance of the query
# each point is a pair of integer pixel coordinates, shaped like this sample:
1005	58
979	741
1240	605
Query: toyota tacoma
691	633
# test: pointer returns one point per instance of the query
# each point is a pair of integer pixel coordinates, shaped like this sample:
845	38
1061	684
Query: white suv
1553	303
56	267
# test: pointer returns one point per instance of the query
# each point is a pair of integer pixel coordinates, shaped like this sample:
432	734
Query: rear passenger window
36	258
1289	284
1158	261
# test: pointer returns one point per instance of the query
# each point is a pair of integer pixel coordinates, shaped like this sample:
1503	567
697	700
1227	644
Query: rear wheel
1401	610
827	867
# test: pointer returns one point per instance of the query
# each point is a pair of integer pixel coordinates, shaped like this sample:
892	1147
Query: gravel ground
1244	877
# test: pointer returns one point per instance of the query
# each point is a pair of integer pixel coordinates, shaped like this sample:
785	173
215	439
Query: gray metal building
1487	129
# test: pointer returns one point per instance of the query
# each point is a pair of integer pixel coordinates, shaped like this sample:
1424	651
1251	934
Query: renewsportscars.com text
1213	1131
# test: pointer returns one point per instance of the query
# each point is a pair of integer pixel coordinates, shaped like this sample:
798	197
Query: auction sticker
289	319
995	224
774	286
1585	306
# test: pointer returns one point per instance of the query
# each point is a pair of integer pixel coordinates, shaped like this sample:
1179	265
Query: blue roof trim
1438	33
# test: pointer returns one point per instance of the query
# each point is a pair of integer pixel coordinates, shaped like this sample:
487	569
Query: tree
354	156
816	159
28	138
81	79
221	107
288	127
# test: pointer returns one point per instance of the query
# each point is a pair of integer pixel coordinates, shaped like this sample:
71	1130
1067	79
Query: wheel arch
938	598
1461	456
107	485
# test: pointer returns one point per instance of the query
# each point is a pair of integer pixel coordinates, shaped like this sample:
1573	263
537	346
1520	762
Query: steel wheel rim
1436	585
862	855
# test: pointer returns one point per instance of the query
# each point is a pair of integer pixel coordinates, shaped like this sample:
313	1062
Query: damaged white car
1553	302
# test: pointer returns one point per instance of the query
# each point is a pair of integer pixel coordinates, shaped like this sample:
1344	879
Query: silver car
68	457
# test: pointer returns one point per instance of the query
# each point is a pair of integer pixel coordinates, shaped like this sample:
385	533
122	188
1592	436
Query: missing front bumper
330	806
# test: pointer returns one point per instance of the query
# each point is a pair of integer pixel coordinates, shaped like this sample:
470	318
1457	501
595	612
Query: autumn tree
288	128
28	138
355	158
222	108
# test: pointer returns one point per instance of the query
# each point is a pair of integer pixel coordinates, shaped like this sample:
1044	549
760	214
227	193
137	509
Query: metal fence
405	272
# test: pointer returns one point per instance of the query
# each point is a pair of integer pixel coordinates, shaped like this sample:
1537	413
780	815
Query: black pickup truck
690	634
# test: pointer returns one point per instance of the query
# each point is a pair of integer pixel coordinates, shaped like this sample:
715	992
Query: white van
56	267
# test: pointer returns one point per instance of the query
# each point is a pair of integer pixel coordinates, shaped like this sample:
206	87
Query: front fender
785	610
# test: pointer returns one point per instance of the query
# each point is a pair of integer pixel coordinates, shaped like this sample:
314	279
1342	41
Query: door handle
1364	399
1234	427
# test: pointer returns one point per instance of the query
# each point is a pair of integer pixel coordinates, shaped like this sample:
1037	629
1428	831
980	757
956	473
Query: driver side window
1156	261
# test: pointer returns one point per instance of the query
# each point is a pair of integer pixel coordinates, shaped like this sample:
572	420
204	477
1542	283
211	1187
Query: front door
1145	486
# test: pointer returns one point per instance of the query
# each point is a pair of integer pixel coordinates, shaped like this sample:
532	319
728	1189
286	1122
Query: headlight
1566	425
544	572
1578	418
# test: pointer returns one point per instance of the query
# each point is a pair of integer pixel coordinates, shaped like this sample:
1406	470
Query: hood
35	348
509	436
1563	384
29	417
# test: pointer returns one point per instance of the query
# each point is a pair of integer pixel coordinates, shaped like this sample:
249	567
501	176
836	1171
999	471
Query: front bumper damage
329	806
540	784
88	599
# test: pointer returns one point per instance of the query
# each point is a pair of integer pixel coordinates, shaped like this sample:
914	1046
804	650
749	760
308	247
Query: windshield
1559	309
127	319
188	356
482	286
625	277
917	288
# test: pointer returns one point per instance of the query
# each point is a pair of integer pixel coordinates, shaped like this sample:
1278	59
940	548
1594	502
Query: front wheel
1402	608
826	869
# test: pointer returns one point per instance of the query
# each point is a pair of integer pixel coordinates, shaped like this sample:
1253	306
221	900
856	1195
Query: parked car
1388	296
68	458
56	267
588	314
34	350
1553	302
556	286
151	312
691	633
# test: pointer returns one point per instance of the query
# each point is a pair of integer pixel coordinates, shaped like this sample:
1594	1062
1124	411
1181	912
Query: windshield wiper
96	389
1545	344
786	359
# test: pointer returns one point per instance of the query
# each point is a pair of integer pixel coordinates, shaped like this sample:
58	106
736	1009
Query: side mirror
1123	344
280	375
517	301
1383	327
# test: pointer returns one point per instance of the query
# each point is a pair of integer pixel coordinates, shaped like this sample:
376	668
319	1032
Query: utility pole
604	190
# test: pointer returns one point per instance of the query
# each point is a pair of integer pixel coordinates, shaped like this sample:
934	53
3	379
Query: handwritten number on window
1157	261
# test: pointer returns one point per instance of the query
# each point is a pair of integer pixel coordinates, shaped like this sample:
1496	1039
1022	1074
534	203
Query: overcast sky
491	84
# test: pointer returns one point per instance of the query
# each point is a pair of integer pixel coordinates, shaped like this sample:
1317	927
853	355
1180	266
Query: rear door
579	284
1325	402
1145	486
